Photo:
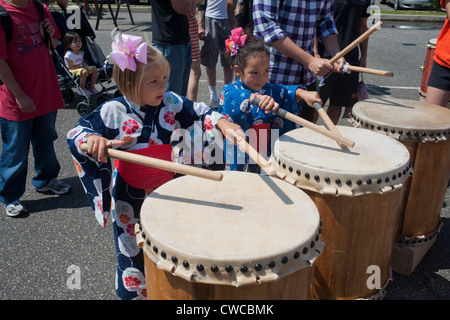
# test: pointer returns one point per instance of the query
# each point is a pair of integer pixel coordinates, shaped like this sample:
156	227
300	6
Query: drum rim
332	182
401	132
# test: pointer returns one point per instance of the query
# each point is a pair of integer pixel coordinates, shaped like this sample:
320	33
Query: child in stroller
93	56
73	57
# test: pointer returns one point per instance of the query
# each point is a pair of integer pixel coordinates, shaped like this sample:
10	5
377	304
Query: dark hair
252	46
69	37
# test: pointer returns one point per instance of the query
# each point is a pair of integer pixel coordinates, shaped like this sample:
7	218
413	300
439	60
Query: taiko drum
357	192
247	237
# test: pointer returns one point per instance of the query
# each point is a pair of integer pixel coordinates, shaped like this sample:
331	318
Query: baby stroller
93	56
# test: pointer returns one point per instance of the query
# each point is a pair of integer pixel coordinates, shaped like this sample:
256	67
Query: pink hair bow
236	41
126	48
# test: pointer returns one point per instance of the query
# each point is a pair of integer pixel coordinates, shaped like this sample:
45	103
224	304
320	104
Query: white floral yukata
108	192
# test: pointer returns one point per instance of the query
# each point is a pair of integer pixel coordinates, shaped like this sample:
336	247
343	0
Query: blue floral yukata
141	128
235	106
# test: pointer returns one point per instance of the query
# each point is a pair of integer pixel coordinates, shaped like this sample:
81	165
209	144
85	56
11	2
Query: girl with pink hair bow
142	121
249	101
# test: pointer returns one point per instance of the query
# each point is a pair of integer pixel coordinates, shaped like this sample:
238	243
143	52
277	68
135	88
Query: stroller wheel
84	108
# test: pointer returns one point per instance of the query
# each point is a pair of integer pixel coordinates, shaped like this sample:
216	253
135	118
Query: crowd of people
276	58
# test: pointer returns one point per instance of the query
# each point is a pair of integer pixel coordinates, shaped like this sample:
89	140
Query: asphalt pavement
59	237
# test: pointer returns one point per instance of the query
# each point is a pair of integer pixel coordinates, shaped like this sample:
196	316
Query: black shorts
341	89
439	77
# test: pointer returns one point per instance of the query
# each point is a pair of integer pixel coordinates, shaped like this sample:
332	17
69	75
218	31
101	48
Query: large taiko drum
427	66
357	192
246	237
424	129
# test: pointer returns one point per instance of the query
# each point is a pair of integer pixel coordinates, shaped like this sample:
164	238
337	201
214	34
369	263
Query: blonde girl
142	121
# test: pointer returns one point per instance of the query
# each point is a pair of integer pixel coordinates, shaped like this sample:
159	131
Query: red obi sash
262	137
144	177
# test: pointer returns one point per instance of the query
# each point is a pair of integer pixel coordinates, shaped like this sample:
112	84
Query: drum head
314	162
245	229
402	119
432	43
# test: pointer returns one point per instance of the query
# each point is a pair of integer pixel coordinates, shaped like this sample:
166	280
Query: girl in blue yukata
142	121
249	100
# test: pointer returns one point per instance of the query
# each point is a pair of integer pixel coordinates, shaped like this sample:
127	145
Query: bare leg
94	77
334	113
211	76
83	76
437	96
194	78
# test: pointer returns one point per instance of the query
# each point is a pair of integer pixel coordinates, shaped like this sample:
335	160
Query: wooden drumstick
328	122
376	72
303	122
161	164
356	42
314	127
259	159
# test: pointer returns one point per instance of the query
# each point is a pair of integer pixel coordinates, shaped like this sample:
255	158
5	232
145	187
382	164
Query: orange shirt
442	54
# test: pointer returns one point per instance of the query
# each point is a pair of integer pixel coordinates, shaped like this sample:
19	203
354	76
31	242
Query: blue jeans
16	138
180	60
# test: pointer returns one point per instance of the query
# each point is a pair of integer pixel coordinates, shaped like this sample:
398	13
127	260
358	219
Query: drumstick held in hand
310	125
376	72
290	116
356	42
328	121
255	156
161	164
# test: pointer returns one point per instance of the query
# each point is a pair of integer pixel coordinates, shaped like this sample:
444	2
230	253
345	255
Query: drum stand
114	17
409	251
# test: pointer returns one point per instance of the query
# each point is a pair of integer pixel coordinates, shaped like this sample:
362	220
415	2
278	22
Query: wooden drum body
357	192
246	237
427	66
423	129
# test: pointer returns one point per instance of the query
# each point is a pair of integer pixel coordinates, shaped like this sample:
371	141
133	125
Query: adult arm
201	21
363	46
230	11
266	26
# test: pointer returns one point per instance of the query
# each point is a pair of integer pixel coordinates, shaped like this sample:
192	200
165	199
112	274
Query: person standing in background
29	99
350	17
438	90
215	20
170	34
289	27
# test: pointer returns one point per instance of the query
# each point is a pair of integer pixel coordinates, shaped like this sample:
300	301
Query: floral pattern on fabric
235	106
107	192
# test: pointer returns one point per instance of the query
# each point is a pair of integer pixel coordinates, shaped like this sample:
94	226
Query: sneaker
93	90
214	103
15	208
82	92
56	186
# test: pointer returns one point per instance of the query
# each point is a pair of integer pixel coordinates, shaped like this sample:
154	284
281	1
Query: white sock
212	92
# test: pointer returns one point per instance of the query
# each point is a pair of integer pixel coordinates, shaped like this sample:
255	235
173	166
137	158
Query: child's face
76	45
154	84
256	72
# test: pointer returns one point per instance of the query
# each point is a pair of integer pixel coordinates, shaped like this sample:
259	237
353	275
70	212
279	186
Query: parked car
409	4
